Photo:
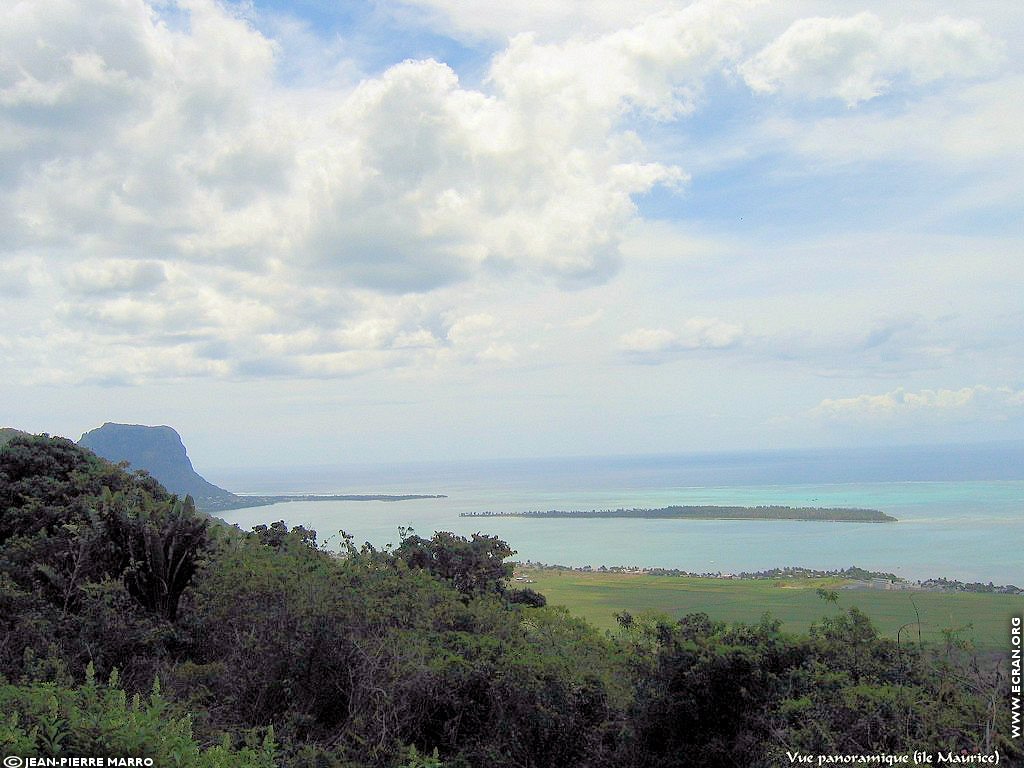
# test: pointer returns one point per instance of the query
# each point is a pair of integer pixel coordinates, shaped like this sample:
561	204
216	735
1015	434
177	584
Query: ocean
960	508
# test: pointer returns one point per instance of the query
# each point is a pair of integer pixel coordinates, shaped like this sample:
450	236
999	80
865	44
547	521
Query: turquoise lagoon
970	528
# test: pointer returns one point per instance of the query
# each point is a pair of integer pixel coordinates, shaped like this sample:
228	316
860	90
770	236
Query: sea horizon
961	528
987	460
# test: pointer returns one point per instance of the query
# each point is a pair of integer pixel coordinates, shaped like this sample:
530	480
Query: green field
597	597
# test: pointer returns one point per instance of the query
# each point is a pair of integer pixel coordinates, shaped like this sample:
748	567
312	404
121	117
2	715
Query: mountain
159	451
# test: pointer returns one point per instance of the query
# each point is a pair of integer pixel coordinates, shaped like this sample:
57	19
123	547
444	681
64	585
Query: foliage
527	596
421	657
745	695
364	654
158	541
103	720
710	693
474	567
95	560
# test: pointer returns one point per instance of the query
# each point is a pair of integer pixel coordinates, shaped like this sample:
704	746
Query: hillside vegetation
262	649
8	433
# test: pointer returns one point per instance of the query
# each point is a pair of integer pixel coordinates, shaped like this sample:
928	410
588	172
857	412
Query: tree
709	698
828	595
474	566
159	542
94	559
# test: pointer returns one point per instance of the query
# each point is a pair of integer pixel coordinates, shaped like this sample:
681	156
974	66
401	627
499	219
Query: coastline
963	530
709	512
248	501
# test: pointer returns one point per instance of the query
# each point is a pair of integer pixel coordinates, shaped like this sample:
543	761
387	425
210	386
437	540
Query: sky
317	232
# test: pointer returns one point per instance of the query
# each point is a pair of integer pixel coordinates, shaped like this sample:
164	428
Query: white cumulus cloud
175	205
857	58
978	401
174	187
653	345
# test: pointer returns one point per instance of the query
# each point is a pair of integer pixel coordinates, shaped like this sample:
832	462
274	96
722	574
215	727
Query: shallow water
969	529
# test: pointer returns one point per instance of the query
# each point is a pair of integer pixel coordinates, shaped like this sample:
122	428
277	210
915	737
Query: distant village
858	578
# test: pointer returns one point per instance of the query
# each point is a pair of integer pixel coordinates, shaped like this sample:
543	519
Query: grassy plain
597	597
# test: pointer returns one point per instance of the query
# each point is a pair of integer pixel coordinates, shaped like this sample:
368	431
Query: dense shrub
103	720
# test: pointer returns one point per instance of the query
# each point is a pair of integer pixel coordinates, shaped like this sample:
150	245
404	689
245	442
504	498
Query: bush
102	720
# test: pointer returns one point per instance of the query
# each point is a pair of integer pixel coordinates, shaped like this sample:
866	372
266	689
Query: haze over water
960	509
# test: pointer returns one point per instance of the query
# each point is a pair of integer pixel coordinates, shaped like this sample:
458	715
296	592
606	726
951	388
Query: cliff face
159	451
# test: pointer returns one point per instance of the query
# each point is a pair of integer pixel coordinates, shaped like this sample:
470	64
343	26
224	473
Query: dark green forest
134	626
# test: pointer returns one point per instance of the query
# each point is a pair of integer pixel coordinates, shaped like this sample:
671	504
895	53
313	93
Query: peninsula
160	451
245	501
823	514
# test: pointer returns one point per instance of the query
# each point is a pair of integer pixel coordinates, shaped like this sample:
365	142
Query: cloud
974	402
478	337
173	184
405	183
437	183
656	66
856	58
972	128
656	345
860	346
108	277
550	19
649	340
16	276
178	200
